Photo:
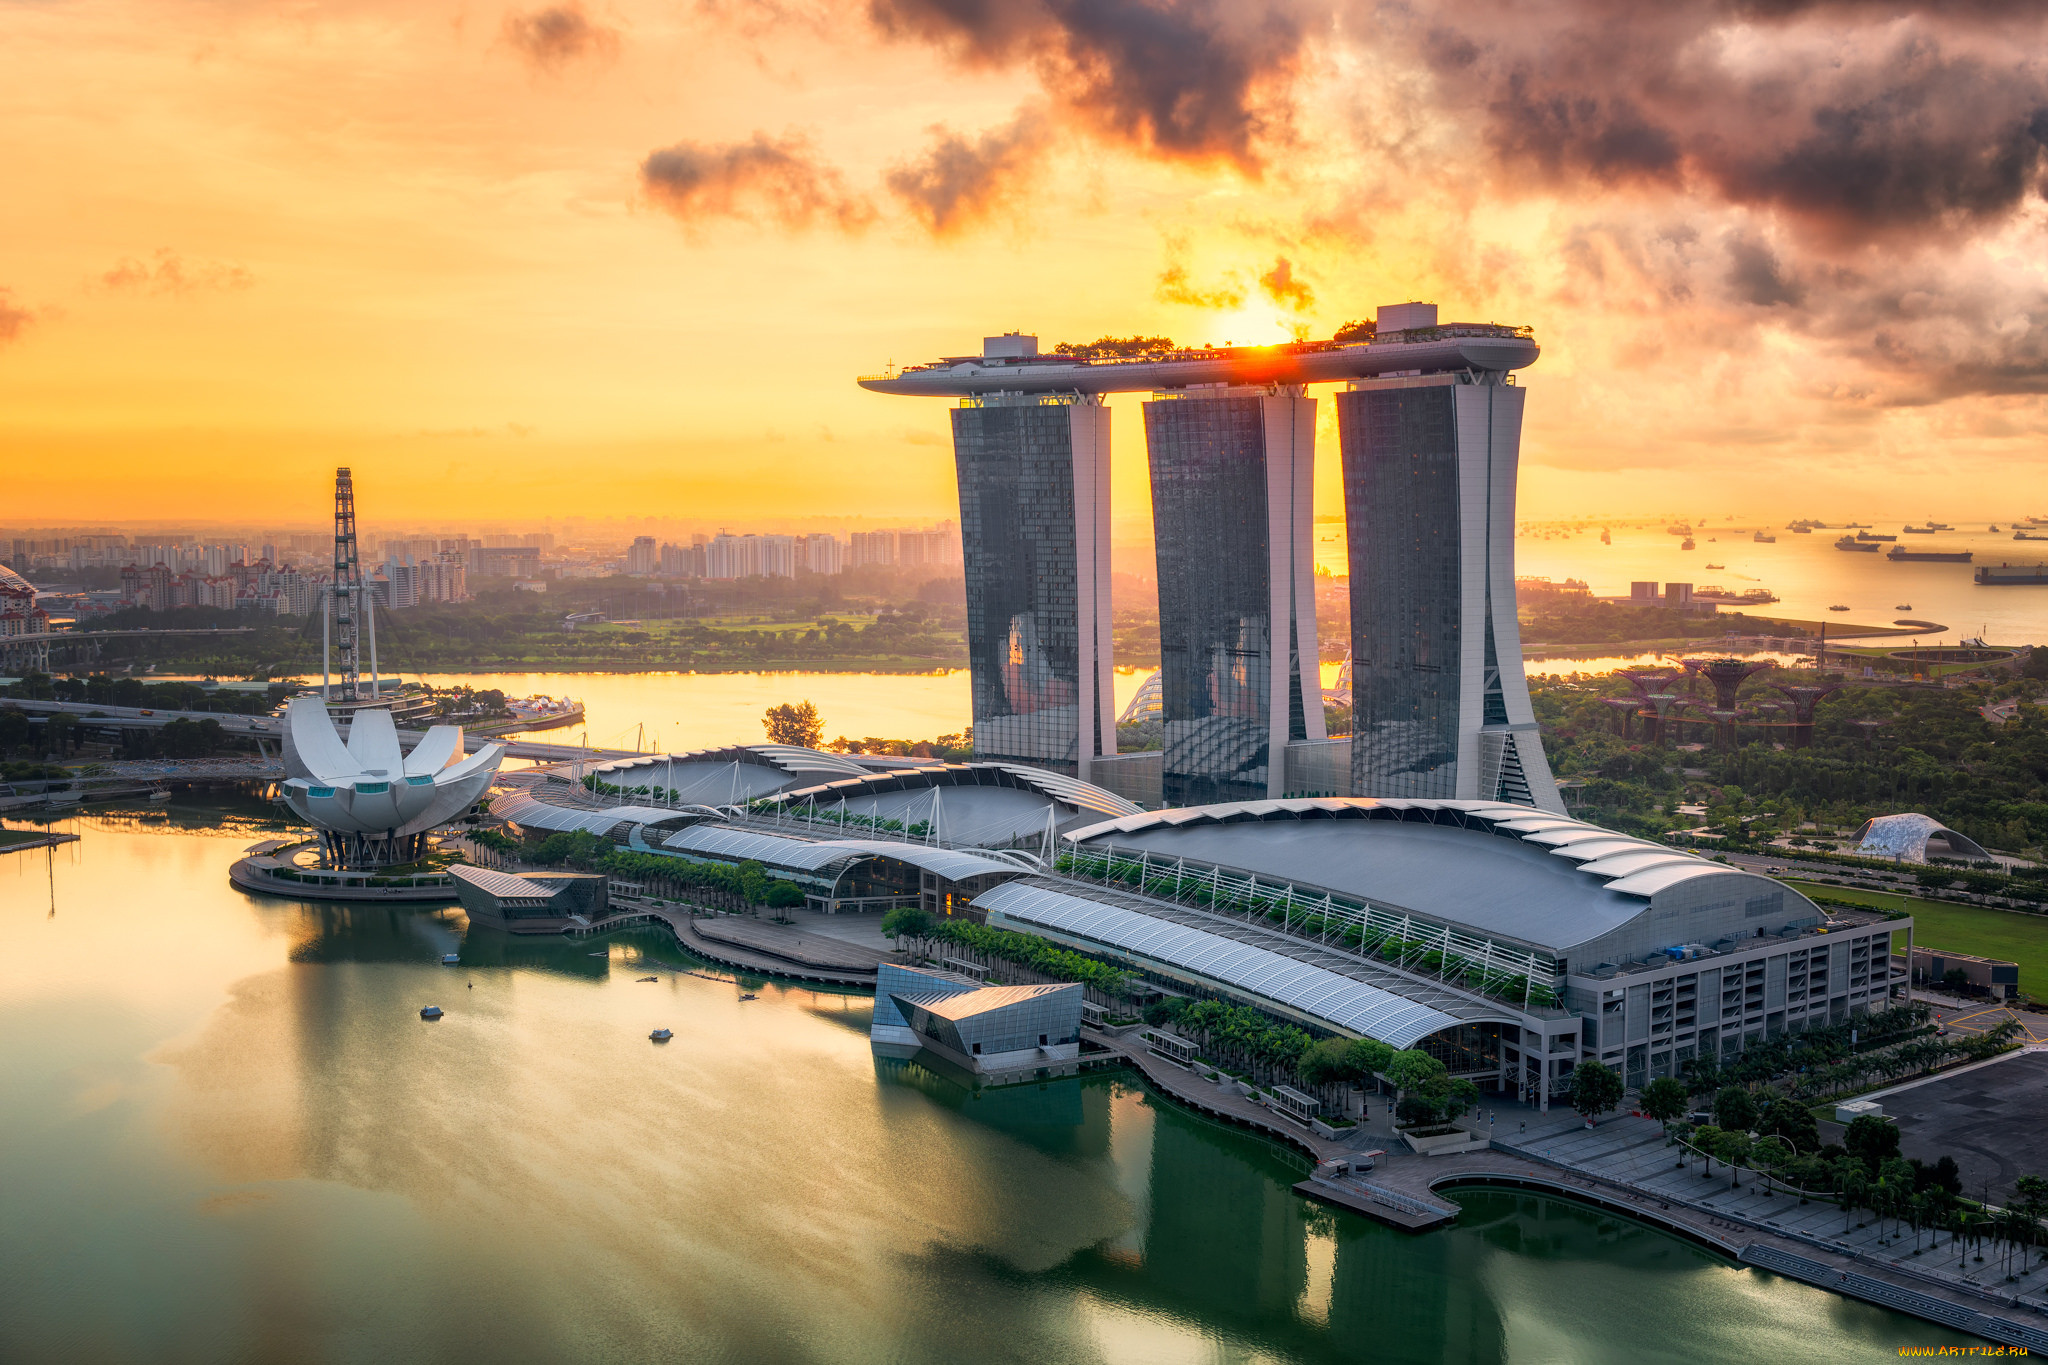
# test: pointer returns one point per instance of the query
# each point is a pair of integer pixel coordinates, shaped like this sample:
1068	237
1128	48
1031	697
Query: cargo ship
2012	575
2022	535
1762	539
1851	543
1930	556
1871	535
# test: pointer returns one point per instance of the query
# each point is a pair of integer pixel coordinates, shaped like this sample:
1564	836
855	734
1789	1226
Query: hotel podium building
1233	475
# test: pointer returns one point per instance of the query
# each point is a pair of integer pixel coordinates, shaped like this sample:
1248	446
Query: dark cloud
1174	287
14	319
1851	129
1203	80
1283	288
1755	274
169	273
962	180
777	179
557	35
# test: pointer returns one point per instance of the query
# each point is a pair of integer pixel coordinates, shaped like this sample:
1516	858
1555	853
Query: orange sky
435	241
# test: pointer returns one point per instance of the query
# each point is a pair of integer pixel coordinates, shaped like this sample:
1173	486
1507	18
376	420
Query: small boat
431	1012
1838	609
1903	606
1717	566
597	954
160	794
1687	545
1606	539
750	996
451	959
1762	539
649	978
661	1035
1994	528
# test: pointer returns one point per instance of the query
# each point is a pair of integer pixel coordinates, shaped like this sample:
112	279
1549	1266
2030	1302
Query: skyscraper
1034	528
1440	705
1431	436
1233	473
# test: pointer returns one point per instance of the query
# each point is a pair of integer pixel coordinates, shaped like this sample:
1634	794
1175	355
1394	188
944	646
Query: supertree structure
1805	697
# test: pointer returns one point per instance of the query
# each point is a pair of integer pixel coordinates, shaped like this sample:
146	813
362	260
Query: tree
1785	1117
1735	1150
1412	1069
1871	1140
1371	1056
1734	1109
1595	1089
795	723
907	921
1664	1099
1328	1063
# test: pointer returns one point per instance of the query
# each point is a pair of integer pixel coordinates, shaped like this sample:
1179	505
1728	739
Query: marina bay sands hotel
1429	423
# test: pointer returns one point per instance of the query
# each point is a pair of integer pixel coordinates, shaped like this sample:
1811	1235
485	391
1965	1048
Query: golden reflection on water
228	1134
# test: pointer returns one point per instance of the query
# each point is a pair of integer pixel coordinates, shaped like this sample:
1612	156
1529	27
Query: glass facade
1034	537
1400	450
1209	520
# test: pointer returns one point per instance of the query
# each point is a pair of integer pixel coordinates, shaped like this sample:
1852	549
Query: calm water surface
678	712
226	1135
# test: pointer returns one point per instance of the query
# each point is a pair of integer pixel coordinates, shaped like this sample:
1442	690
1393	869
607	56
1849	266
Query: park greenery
1026	950
876	619
1927	749
715	885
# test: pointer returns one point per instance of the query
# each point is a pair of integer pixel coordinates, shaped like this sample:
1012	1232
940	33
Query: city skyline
523	264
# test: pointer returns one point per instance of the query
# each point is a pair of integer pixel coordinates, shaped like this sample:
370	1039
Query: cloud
1173	287
557	35
961	181
168	273
1852	122
1194	80
777	179
14	319
1283	288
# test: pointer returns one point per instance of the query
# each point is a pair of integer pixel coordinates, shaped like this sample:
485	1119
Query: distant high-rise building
820	553
1034	520
642	557
401	585
871	547
1233	480
730	556
1440	702
776	555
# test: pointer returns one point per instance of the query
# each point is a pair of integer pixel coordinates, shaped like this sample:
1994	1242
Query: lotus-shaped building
372	802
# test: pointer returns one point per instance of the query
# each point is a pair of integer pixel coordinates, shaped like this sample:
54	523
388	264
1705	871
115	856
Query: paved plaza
1989	1118
1634	1151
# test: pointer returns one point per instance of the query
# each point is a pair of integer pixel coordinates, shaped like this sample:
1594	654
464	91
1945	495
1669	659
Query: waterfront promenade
1624	1166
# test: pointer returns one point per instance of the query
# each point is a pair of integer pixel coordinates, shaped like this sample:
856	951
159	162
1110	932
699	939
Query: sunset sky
626	258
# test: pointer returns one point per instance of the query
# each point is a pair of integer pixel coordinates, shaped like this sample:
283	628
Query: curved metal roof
1071	791
522	809
1341	1001
1503	871
817	855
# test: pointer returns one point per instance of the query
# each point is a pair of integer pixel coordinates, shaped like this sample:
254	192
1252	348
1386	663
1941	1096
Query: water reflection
226	1133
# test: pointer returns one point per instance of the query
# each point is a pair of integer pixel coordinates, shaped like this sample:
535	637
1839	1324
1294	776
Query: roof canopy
1340	1001
1507	872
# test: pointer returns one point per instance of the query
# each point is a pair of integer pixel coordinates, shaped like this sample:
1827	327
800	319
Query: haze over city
581	255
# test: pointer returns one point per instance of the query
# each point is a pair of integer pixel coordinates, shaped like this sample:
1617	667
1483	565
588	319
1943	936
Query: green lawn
19	836
2004	934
